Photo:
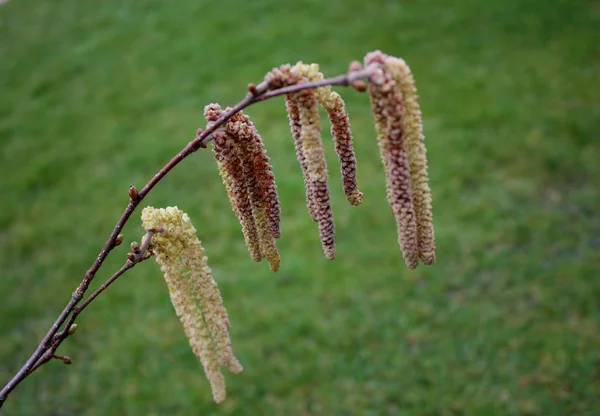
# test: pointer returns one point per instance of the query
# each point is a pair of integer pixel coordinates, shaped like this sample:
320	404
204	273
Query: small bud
63	358
133	193
252	89
131	257
119	240
135	247
199	131
359	85
72	329
354	66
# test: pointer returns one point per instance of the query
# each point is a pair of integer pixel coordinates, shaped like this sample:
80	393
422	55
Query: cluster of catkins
246	172
250	183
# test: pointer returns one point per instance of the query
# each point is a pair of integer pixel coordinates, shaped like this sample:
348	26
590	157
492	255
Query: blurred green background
97	96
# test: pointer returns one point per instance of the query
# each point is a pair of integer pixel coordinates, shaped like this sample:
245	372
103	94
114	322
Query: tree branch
53	338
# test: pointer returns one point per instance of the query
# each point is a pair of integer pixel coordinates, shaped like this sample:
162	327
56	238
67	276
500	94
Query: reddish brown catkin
317	167
386	100
230	160
262	190
255	199
341	133
280	77
414	146
229	156
241	126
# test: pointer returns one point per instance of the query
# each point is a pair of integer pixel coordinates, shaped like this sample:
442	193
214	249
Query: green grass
96	97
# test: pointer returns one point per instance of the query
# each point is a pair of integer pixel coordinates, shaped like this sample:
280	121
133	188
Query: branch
53	338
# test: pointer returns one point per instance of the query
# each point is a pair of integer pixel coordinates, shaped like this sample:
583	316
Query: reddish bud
133	193
359	85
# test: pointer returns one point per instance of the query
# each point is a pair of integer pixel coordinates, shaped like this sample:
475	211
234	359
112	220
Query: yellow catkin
207	293
268	247
333	103
386	99
414	145
181	258
312	148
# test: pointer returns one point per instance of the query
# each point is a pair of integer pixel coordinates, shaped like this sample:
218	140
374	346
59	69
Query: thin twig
53	338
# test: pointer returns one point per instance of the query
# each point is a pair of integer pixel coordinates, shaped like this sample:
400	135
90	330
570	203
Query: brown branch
53	338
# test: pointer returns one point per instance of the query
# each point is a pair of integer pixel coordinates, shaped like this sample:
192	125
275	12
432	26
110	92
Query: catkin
240	126
414	146
189	280
386	100
250	183
341	133
230	159
312	148
296	127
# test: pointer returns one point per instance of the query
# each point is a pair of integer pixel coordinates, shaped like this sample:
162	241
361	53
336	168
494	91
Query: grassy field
97	96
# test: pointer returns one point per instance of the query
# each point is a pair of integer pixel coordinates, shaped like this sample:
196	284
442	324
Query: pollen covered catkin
181	258
207	294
